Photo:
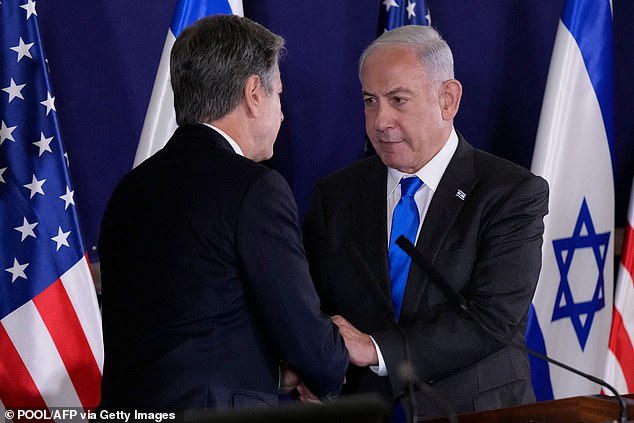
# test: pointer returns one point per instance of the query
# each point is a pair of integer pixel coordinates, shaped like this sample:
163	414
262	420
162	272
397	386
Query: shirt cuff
380	370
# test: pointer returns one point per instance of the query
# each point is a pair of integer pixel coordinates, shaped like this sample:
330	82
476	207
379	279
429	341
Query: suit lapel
373	244
457	182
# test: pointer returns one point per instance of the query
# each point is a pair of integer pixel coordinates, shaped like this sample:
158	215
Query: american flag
395	13
620	363
51	349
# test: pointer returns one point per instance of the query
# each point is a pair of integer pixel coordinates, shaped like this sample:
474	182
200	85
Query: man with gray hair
477	218
206	288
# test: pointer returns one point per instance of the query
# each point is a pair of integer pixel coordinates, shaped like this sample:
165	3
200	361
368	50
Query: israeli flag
160	119
571	313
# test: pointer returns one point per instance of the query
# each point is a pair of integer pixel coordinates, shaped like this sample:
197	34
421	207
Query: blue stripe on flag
590	23
540	376
189	11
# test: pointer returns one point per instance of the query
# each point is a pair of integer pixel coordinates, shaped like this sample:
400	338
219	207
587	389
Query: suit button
430	382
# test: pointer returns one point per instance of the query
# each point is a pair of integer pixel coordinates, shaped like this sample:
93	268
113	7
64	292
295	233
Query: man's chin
390	159
263	156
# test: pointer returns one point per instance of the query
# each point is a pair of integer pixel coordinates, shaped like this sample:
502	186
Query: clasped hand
290	380
360	346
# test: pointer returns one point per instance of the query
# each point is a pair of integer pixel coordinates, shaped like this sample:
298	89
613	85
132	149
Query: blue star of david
565	306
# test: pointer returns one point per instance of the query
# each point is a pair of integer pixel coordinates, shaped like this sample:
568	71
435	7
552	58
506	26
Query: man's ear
252	93
450	96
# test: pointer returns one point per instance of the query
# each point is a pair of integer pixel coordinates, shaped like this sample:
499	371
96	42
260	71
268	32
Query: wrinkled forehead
393	63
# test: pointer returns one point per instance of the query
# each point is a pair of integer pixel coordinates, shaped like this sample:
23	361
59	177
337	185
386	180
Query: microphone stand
458	300
406	370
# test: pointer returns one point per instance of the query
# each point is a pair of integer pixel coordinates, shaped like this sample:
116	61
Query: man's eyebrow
397	90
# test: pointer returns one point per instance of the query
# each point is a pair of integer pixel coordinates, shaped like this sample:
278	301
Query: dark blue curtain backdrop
103	57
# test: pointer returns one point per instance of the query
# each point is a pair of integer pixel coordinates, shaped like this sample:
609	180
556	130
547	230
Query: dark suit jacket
206	286
488	246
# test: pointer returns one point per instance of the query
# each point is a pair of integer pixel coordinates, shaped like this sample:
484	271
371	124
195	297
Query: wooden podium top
585	409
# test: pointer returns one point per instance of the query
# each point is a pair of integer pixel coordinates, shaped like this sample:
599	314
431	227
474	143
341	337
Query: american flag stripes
620	363
51	349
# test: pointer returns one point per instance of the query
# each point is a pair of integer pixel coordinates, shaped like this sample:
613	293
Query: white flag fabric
160	118
571	313
620	363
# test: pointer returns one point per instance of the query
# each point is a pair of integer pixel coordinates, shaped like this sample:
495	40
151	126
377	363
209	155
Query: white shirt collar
230	140
432	172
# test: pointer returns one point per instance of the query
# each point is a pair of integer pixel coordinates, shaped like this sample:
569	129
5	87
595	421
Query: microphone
406	370
459	301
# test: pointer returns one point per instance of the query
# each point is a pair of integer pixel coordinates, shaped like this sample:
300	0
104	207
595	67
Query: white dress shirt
230	140
430	174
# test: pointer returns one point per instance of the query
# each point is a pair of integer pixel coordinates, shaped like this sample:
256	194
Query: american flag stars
389	3
27	229
44	144
33	166
23	49
14	90
402	12
35	186
17	270
411	7
68	198
6	132
411	10
49	103
30	8
61	238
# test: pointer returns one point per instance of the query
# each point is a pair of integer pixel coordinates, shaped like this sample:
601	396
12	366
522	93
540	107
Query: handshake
360	348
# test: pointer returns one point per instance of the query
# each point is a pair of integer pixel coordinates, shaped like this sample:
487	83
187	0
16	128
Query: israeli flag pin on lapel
461	195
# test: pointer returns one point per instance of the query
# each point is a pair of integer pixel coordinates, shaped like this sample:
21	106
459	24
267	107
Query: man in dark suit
477	218
206	288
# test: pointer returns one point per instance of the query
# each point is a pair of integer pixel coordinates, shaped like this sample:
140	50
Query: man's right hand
360	346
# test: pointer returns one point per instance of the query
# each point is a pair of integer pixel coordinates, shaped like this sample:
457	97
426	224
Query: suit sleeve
500	286
270	247
315	242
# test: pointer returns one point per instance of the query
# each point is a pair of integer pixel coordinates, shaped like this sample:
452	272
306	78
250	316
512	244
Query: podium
362	408
583	409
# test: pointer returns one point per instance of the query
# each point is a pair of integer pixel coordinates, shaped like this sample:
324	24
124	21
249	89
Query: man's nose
383	118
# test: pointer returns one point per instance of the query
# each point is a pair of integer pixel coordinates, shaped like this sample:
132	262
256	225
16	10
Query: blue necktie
405	221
